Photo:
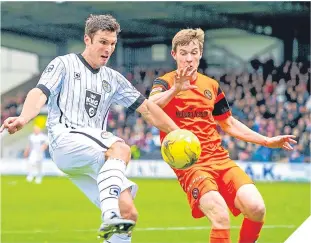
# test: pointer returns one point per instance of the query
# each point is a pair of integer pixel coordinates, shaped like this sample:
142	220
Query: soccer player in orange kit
215	183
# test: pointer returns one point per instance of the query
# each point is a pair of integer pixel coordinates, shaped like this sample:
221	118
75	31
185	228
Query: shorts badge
195	193
106	135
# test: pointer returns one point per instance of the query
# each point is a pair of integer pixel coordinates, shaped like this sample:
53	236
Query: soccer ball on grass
181	149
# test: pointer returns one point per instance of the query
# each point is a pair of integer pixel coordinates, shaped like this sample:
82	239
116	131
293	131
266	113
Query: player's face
101	47
188	55
36	130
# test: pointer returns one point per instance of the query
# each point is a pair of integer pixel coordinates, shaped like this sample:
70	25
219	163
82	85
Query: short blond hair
185	36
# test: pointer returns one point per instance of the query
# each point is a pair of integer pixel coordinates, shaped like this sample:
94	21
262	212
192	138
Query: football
181	149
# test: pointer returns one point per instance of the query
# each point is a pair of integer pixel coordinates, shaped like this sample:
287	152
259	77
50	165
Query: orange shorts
225	177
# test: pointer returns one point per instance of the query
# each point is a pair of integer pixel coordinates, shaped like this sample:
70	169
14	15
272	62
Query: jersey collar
87	64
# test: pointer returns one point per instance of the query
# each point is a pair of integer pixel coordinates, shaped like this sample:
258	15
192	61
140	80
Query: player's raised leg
128	211
102	156
110	181
215	208
88	185
250	202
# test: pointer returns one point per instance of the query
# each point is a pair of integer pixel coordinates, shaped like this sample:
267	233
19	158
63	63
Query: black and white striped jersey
80	96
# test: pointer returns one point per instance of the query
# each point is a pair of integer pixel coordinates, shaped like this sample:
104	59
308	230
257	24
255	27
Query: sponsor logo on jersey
184	114
92	100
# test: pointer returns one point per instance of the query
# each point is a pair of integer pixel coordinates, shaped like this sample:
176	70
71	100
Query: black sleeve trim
219	91
44	89
221	107
161	82
137	103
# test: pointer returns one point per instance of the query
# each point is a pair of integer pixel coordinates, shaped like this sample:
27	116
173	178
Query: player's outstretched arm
163	98
154	115
31	108
238	130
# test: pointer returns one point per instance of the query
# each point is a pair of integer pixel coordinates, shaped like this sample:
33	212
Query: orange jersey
196	110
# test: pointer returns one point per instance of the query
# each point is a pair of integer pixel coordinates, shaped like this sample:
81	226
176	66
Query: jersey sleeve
221	107
52	77
159	85
127	95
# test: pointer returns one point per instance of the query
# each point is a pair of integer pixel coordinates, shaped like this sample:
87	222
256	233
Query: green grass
56	211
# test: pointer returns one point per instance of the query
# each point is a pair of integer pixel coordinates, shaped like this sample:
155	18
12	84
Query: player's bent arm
44	147
26	151
163	98
238	130
154	115
35	100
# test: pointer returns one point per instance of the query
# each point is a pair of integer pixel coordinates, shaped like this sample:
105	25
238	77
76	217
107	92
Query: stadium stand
278	97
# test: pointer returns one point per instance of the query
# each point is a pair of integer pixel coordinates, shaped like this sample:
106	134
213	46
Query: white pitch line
36	231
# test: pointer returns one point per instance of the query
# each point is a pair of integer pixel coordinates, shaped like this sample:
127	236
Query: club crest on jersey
92	100
106	86
208	94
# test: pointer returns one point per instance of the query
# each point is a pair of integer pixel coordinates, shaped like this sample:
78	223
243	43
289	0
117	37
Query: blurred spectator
262	154
297	155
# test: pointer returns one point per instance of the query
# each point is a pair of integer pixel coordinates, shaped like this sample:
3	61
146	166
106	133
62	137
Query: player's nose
189	57
108	50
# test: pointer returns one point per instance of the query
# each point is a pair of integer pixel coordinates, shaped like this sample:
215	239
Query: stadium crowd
270	100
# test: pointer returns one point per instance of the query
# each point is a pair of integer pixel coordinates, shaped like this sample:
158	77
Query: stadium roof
55	20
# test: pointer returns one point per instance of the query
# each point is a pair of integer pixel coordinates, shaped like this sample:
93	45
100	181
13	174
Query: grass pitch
57	212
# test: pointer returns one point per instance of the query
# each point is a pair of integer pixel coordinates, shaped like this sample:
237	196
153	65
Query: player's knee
256	211
250	202
215	208
119	150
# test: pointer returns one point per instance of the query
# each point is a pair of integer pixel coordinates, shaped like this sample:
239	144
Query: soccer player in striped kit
80	90
37	144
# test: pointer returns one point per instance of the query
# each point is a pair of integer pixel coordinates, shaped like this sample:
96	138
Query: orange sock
250	230
220	236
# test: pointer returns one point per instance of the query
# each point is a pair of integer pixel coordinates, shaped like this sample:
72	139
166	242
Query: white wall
16	67
242	44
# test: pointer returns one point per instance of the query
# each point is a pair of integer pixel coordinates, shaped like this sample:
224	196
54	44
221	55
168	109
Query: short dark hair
101	22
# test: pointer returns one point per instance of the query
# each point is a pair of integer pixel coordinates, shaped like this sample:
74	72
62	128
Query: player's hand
13	124
182	79
283	142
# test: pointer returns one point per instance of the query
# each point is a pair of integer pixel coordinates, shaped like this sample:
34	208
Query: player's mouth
104	57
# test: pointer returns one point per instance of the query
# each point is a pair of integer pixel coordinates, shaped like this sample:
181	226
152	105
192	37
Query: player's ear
87	40
173	53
